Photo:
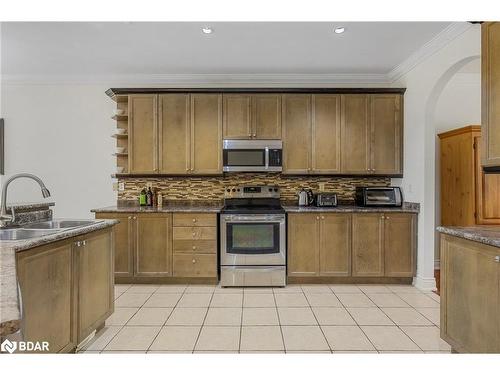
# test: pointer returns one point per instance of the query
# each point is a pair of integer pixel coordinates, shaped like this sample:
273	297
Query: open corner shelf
119	136
120	117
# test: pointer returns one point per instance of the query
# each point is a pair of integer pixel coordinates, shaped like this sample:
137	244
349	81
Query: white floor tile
176	338
218	338
369	316
347	338
333	316
304	338
224	316
261	338
388	338
296	316
257	316
150	316
133	338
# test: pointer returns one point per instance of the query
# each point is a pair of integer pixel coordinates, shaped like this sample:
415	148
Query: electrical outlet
121	186
115	186
321	186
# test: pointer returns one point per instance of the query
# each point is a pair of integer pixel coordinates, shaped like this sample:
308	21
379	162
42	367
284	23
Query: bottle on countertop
149	197
159	199
143	197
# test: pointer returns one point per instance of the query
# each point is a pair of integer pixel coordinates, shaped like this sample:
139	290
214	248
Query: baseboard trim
425	283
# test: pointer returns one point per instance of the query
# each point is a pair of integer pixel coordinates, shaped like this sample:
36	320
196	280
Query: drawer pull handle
322	218
130	217
194	220
194	234
194	260
317	217
194	247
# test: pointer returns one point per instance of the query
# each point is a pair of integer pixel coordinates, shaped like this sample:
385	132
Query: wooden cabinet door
174	133
296	114
46	279
470	300
303	244
325	134
153	245
367	245
237	118
266	116
399	244
124	243
95	279
386	134
143	134
335	245
487	191
490	97
206	133
355	130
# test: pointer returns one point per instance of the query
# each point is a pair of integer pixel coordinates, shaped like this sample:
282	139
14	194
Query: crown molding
432	46
201	80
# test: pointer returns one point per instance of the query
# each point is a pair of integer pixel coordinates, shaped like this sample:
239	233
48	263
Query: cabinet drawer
195	220
197	246
195	265
195	233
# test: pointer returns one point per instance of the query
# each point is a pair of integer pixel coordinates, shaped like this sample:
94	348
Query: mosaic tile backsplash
212	188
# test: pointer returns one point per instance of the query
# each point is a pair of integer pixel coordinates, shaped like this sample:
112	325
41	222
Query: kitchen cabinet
153	245
399	244
143	134
469	196
319	244
206	134
387	134
490	94
195	245
94	279
368	244
67	289
311	134
174	133
372	134
124	249
46	277
252	116
470	295
161	244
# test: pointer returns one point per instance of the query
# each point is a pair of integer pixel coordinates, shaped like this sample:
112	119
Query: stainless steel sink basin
59	224
23	234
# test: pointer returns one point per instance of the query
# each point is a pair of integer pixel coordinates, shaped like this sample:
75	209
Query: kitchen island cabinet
470	289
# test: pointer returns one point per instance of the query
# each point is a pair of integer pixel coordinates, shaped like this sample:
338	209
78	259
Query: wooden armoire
468	195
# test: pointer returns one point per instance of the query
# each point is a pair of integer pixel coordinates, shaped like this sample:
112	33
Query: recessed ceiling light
207	30
339	30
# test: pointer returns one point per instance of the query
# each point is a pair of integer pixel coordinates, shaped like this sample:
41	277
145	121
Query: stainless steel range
253	237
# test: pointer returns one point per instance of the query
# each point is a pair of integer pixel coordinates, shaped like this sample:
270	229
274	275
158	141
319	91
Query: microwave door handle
266	155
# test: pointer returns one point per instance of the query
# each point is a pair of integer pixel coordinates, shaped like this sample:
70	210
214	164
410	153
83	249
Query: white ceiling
125	48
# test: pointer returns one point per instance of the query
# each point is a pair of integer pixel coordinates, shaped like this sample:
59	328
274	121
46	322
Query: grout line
279	322
203	322
317	321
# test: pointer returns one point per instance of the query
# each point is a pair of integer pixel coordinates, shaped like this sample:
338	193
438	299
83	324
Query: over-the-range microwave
252	155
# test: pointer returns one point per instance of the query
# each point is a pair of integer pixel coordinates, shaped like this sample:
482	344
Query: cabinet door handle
387	217
194	247
322	218
78	243
130	217
254	135
497	259
135	218
194	234
84	243
194	261
194	220
317	217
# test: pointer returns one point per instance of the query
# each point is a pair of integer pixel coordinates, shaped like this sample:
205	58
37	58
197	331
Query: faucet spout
4	218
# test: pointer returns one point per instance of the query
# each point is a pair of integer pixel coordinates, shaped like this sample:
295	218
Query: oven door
252	240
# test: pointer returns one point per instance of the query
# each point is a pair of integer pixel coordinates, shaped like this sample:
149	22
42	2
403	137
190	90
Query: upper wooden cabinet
372	134
143	134
252	116
468	195
311	134
490	86
206	134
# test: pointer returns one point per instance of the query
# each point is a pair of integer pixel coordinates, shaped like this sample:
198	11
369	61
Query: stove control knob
276	189
234	190
270	189
228	190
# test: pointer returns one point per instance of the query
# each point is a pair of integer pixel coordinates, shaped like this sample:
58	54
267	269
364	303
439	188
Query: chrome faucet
6	219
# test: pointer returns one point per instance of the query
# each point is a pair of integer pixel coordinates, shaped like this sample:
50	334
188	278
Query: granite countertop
23	206
9	303
407	207
170	206
488	235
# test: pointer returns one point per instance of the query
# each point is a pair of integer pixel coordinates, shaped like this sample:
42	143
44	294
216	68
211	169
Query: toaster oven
379	196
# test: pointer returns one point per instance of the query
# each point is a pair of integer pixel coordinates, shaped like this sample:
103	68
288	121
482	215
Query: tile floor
298	318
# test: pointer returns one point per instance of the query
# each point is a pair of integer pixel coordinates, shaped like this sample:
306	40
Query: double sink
40	229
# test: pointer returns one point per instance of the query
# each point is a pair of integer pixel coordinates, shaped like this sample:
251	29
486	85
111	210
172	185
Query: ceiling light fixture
207	30
339	30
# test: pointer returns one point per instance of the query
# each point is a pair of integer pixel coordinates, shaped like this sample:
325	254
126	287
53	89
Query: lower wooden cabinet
94	278
46	277
357	245
66	289
470	295
158	245
319	244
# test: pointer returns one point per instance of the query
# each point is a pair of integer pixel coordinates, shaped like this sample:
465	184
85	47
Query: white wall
425	83
62	134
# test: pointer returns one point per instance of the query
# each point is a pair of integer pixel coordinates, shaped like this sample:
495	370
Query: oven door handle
266	157
266	220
